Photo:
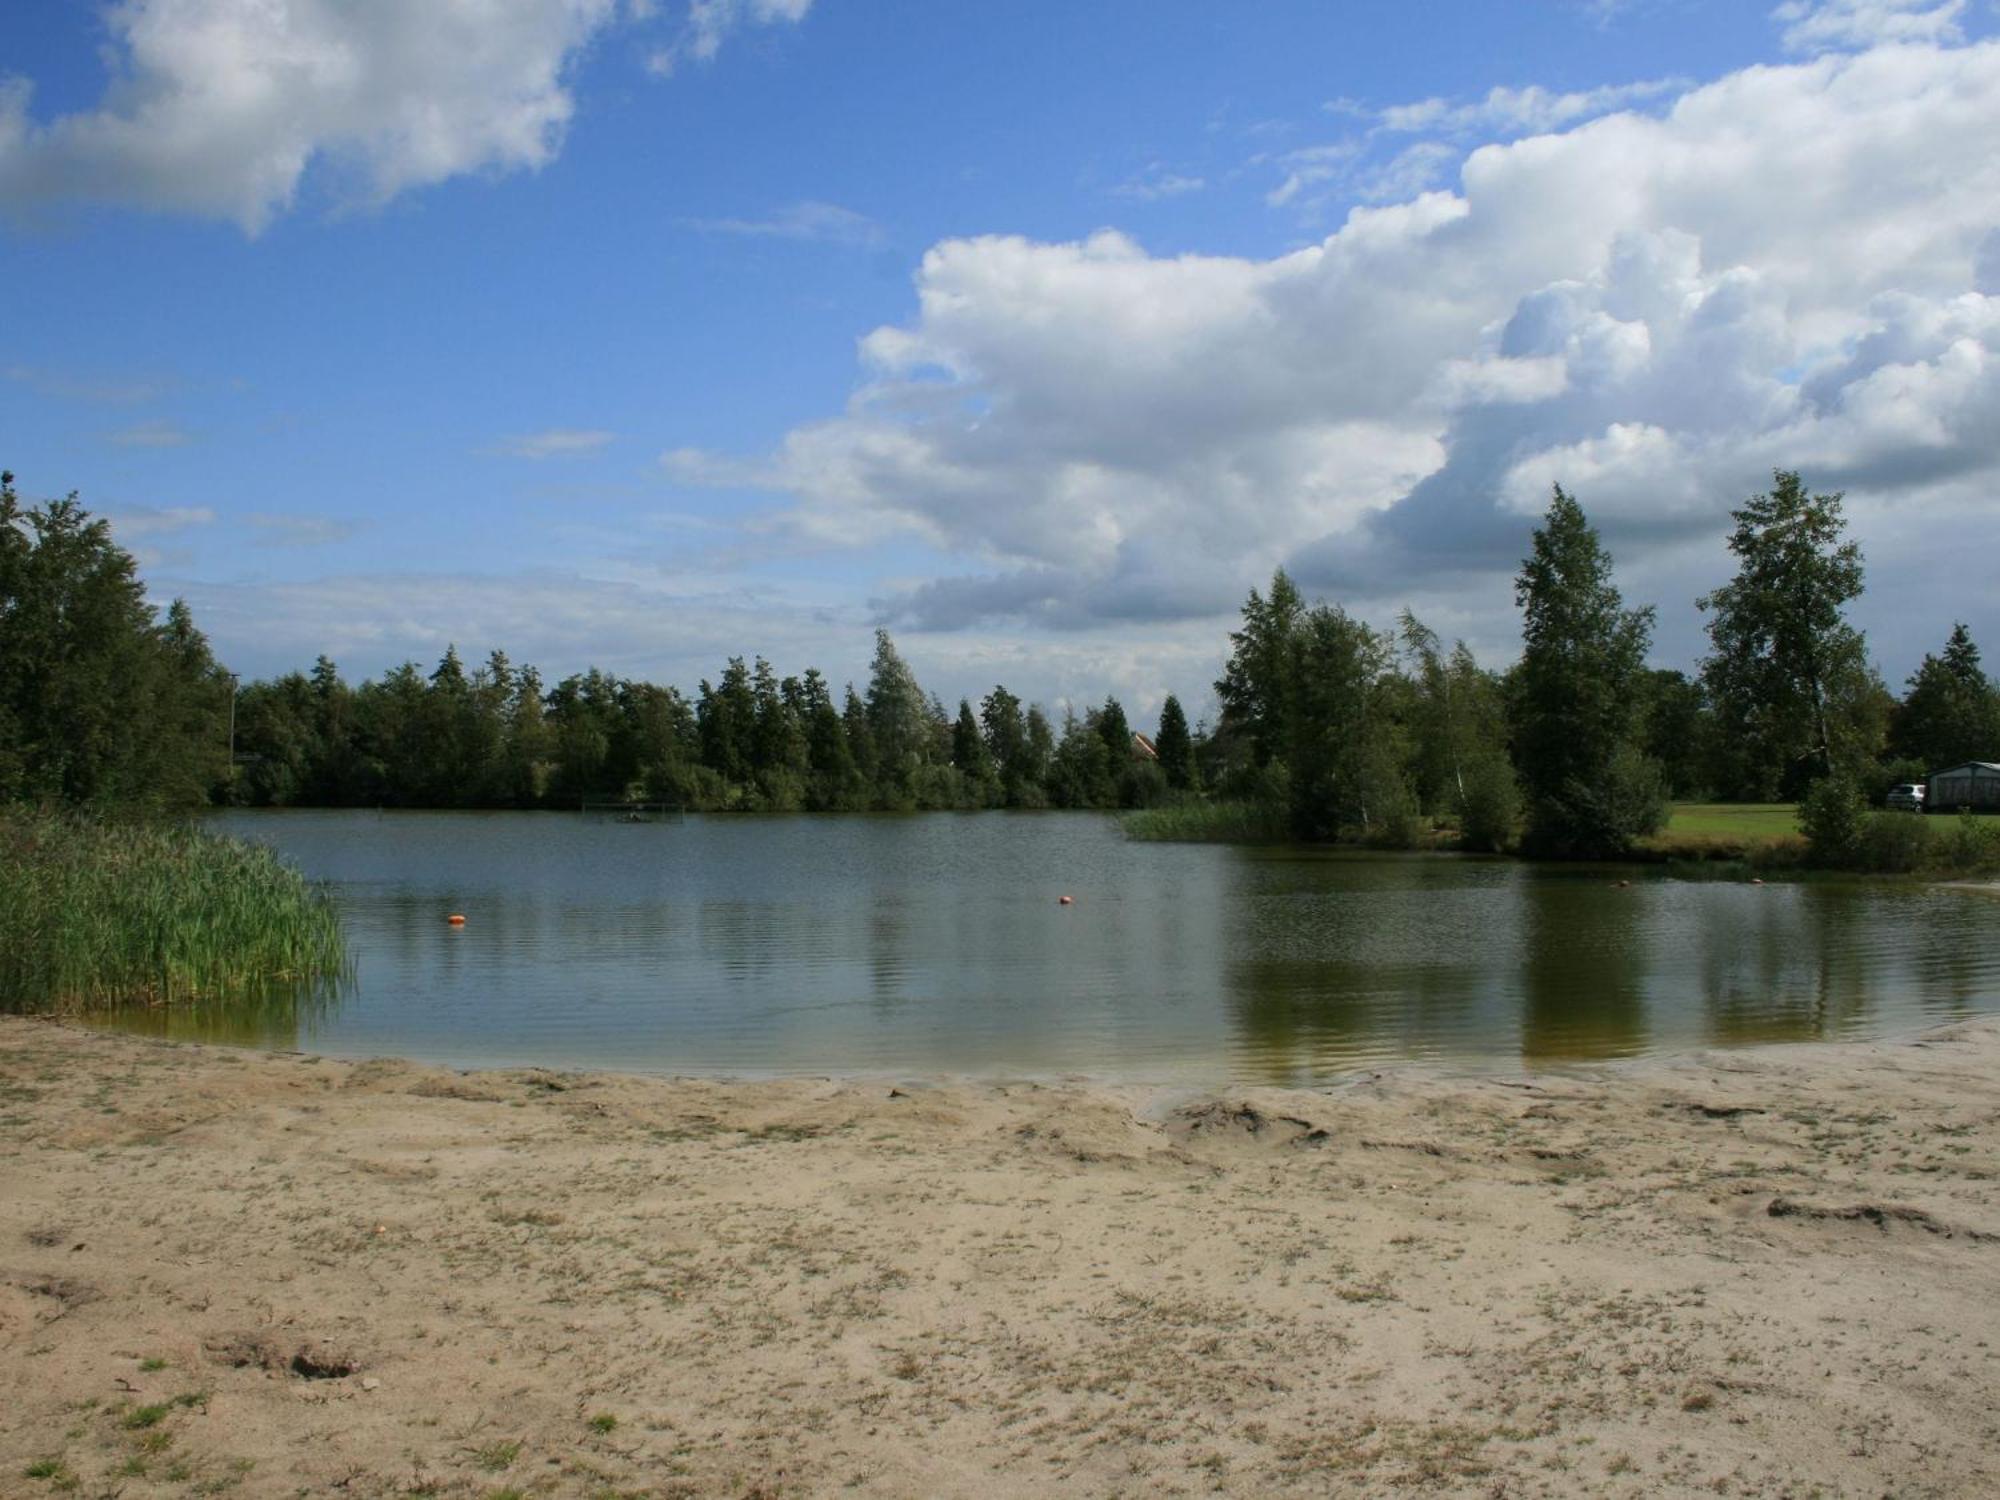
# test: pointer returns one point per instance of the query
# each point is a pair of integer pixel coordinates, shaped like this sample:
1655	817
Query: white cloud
300	531
70	388
555	442
711	22
221	108
1158	181
1827	25
827	223
1522	111
136	522
1790	266
157	434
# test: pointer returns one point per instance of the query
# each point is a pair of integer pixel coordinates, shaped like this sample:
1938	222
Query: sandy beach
1767	1272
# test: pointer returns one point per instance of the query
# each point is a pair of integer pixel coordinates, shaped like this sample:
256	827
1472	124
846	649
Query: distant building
1142	748
1974	784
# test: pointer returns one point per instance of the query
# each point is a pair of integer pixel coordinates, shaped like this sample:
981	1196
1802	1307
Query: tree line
495	736
1340	729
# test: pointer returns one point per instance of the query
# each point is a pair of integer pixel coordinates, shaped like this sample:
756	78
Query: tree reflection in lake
936	944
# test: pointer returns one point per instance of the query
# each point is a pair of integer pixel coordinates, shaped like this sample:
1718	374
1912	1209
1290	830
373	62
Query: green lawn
1727	830
1750	822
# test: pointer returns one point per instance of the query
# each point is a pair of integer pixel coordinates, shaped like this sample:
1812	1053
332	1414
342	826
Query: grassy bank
95	915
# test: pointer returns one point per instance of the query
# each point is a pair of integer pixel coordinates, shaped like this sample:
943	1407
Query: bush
1601	819
1893	843
1832	817
1969	847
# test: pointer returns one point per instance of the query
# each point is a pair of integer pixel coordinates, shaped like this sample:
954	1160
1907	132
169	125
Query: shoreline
1734	1271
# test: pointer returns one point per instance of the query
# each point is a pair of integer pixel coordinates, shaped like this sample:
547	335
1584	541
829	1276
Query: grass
95	915
1762	832
1194	822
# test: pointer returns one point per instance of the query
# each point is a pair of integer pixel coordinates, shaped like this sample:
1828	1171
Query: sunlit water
936	944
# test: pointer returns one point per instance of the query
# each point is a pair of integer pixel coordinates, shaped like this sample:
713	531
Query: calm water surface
935	944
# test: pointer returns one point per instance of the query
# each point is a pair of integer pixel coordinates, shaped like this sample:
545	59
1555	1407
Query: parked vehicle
1907	796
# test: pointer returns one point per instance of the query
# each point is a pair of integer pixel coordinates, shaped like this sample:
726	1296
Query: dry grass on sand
1758	1273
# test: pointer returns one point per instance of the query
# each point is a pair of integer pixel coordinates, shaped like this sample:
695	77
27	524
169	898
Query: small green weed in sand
497	1456
604	1421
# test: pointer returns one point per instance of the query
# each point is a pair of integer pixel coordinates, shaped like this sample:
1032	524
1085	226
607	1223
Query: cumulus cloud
1825	25
555	442
1789	266
1378	164
221	108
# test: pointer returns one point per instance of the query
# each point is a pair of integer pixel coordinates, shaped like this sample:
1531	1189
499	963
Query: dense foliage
100	702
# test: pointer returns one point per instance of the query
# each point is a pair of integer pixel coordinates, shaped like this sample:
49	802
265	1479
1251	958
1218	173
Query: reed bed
1194	822
98	915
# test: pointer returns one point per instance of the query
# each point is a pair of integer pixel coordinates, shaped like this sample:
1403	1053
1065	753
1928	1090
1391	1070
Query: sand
1765	1272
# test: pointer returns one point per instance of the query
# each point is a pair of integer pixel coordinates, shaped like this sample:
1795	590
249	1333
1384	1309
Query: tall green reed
97	914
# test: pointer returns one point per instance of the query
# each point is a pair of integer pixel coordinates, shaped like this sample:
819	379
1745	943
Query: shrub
1893	843
1969	846
1832	817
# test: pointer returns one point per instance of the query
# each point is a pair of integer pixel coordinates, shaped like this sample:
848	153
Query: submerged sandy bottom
1760	1273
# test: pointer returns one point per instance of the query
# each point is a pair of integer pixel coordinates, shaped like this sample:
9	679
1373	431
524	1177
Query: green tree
1080	770
1457	725
899	723
971	757
531	741
100	702
727	716
1344	772
1951	713
1788	675
1176	747
1590	789
1257	684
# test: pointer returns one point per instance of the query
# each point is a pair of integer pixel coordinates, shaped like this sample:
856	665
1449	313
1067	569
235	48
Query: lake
935	943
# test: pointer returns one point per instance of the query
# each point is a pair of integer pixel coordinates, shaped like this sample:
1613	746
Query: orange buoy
455	920
1065	900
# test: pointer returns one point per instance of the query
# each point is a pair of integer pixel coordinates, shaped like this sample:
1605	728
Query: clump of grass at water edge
96	915
1193	822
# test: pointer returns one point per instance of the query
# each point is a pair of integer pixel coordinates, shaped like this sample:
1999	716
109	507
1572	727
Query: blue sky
639	334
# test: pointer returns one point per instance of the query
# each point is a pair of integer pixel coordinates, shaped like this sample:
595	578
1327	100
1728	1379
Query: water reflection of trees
1786	963
1335	963
1587	949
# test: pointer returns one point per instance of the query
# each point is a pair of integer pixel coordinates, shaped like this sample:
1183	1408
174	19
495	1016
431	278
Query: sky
643	333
